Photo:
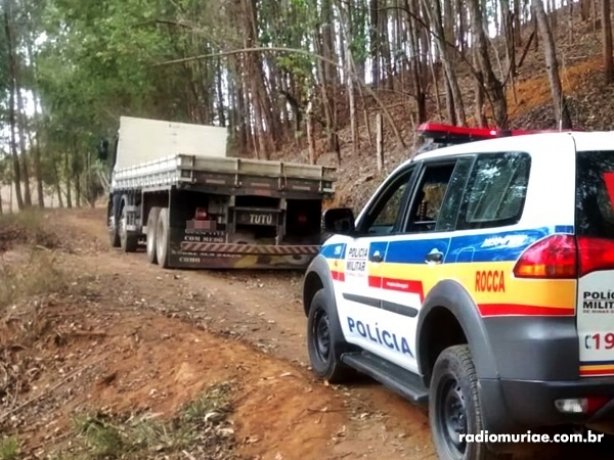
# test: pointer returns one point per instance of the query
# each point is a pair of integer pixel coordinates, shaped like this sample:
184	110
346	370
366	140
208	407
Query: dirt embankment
103	355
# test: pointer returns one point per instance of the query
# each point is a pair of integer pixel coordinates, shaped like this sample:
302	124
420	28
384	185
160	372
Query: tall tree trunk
606	27
12	119
560	110
479	95
494	87
374	40
37	125
58	187
436	21
516	21
23	128
585	9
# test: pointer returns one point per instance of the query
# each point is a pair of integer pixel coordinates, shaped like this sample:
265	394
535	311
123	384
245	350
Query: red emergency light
437	135
450	134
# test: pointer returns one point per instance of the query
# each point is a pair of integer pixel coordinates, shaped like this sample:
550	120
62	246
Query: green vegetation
201	426
9	448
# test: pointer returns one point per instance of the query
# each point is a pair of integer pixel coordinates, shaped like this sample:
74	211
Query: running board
397	379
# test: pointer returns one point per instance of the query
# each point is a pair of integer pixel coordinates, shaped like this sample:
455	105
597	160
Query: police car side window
381	219
429	197
496	191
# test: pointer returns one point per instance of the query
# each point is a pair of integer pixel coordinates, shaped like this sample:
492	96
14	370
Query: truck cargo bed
234	172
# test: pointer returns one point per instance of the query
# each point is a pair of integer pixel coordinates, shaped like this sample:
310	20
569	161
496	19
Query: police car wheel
325	341
454	408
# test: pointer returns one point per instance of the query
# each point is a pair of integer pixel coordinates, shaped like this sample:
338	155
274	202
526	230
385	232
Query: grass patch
201	429
38	275
26	227
9	448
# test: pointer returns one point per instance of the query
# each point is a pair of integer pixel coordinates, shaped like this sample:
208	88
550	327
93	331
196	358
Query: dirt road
135	339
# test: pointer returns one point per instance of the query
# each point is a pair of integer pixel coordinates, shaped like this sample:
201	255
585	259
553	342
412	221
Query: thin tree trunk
435	19
58	188
23	128
37	127
12	120
68	174
560	111
375	43
379	142
494	87
479	95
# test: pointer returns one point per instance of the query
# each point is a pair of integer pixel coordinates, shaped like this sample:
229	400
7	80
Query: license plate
257	218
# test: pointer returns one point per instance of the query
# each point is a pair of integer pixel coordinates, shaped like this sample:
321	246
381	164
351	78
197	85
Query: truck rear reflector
552	257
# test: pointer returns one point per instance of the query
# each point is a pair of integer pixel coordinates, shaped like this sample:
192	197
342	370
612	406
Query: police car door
416	255
360	303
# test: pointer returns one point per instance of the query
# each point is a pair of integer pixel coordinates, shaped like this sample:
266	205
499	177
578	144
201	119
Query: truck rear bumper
255	249
223	260
516	405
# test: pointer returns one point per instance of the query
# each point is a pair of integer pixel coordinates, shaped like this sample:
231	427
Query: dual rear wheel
158	236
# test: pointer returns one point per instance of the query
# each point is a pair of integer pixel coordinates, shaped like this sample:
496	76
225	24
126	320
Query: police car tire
327	366
152	231
454	375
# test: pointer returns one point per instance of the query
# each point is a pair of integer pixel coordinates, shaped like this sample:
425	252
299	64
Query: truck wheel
128	241
114	203
325	342
152	231
454	407
162	238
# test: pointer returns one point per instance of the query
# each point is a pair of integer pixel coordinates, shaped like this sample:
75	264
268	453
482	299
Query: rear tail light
595	254
588	405
553	257
200	214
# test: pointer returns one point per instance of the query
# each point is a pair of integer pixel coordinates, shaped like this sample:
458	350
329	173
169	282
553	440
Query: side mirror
339	220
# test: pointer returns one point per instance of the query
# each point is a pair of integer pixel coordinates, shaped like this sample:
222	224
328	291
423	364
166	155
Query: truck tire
454	406
163	238
325	342
152	231
128	241
114	204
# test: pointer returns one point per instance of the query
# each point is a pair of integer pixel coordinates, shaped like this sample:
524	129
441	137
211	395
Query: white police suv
479	279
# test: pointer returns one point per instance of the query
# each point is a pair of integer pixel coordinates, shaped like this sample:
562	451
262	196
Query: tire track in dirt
262	310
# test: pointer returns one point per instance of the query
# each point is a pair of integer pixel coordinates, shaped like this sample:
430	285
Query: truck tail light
201	214
553	257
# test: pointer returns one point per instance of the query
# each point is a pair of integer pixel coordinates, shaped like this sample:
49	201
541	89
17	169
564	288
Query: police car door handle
434	257
376	257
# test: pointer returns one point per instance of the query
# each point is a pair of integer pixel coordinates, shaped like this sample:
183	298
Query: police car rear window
496	191
595	194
